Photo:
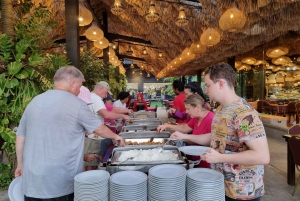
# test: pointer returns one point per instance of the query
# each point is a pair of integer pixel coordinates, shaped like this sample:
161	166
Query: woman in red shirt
139	103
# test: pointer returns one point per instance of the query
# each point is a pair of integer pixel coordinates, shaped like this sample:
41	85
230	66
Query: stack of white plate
91	185
205	184
128	186
166	182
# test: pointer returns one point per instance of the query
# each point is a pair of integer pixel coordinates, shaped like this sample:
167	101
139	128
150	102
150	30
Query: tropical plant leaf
35	60
14	67
4	121
31	73
12	83
22	45
20	56
22	75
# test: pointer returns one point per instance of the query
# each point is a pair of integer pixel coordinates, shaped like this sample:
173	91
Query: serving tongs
161	148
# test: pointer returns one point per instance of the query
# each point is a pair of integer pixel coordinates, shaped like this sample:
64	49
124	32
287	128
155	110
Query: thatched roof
270	23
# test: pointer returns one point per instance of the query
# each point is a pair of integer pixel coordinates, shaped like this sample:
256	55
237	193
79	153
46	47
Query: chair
266	108
294	143
259	106
290	112
294	130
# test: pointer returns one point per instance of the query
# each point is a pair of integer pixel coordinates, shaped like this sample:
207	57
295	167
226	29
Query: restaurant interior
175	38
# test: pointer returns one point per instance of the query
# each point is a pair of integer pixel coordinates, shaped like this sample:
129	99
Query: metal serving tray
118	151
139	122
140	128
143	113
144	134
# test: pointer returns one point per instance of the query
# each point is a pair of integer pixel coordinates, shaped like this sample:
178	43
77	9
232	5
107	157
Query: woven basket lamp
232	20
271	79
210	37
117	8
187	55
181	21
94	33
244	67
280	77
237	64
259	62
152	15
281	60
85	15
101	44
277	52
111	52
249	60
197	48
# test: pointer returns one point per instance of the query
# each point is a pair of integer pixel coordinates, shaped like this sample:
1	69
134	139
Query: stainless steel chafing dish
144	121
113	165
143	137
143	114
140	127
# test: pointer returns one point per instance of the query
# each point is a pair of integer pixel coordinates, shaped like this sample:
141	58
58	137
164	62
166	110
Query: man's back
53	125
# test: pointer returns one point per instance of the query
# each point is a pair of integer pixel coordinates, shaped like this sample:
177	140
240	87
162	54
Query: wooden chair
294	143
290	113
294	130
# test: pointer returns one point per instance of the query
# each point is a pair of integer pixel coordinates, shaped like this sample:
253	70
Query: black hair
177	84
123	95
195	88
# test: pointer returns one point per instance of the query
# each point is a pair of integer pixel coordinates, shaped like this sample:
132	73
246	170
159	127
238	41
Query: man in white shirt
123	98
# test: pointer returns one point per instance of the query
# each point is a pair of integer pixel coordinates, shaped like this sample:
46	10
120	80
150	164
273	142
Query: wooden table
291	176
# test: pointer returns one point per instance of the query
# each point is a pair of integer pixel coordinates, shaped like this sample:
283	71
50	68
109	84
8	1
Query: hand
120	141
172	110
130	111
18	172
126	117
160	128
178	135
89	157
212	156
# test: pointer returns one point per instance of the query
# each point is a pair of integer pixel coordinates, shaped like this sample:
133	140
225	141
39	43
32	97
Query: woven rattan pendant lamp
85	15
101	44
117	8
210	37
232	20
94	33
197	48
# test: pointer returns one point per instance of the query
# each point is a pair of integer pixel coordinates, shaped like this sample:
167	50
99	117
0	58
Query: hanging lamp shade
142	67
132	65
237	64
197	48
187	55
271	79
277	52
232	20
85	15
94	33
152	15
181	21
117	8
280	77
245	67
101	44
148	74
160	55
281	60
249	60
111	52
259	62
210	37
129	50
144	51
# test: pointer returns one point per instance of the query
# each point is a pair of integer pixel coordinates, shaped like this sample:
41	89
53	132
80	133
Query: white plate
125	178
14	190
167	171
204	175
193	150
92	137
92	176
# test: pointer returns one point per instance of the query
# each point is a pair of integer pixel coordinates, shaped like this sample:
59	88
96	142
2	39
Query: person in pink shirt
200	123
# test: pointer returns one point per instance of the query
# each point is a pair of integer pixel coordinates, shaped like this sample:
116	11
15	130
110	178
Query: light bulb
209	37
231	15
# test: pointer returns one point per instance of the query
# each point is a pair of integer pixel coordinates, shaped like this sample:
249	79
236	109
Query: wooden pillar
199	74
183	79
72	32
105	50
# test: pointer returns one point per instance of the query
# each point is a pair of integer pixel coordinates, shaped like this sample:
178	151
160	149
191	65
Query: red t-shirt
179	104
203	128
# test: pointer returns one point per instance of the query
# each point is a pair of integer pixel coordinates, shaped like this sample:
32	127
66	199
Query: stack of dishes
166	182
91	185
205	184
128	186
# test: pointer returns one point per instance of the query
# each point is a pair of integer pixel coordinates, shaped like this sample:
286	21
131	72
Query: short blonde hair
194	100
67	73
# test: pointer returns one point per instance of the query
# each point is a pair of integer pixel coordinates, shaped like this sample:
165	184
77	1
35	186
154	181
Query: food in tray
147	155
154	129
96	136
172	123
131	121
142	143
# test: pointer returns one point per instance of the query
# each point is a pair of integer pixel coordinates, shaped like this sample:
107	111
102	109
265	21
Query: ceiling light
85	16
94	33
131	65
117	8
181	21
232	20
210	37
152	15
144	51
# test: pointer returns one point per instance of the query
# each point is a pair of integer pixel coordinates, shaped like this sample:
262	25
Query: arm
184	128
20	142
203	139
105	132
112	115
122	110
258	153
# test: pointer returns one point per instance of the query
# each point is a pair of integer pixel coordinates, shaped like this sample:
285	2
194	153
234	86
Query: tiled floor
276	185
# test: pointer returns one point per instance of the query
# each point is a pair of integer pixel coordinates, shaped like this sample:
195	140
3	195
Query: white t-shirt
119	104
97	105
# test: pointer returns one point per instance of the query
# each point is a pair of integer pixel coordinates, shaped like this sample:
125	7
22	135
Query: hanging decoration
249	60
85	15
197	48
152	15
117	8
181	21
94	33
101	44
210	37
281	60
277	52
232	20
